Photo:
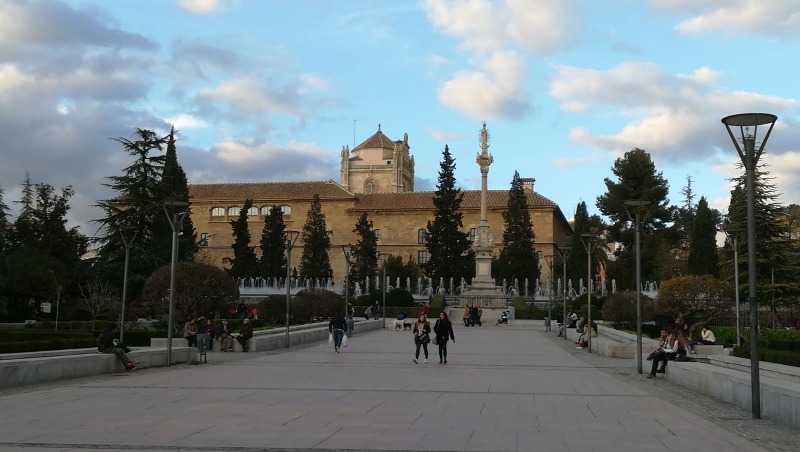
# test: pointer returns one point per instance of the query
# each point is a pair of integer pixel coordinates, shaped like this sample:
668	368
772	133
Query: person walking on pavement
444	331
337	326
422	331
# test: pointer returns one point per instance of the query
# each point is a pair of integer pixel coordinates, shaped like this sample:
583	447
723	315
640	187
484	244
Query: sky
272	90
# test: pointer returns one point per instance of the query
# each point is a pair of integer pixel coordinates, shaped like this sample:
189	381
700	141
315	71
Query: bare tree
97	298
699	298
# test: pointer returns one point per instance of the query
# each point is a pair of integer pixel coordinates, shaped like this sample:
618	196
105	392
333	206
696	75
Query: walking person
422	331
337	326
444	331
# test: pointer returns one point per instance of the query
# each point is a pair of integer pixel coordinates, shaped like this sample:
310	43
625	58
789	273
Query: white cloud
187	121
673	116
734	17
576	161
539	26
495	91
251	153
203	6
444	136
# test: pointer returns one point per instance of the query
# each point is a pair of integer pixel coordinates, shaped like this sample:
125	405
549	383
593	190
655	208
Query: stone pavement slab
510	388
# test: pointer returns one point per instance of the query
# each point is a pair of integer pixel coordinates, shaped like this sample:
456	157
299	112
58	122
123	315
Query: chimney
527	183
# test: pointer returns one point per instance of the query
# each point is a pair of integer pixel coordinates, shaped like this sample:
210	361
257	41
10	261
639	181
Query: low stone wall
20	371
611	344
273	339
780	399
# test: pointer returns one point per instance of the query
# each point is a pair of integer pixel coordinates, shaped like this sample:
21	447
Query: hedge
31	341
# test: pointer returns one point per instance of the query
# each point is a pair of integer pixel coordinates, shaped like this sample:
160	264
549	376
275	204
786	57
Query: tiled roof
267	190
424	200
379	140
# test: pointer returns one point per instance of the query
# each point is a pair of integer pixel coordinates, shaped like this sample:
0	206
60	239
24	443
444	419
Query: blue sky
272	90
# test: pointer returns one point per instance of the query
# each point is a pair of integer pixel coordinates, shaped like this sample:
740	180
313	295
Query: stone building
377	177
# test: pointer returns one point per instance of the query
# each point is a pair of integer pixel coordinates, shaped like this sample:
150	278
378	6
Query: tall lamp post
346	252
175	215
564	252
588	243
127	239
638	206
731	233
549	260
291	238
749	155
384	258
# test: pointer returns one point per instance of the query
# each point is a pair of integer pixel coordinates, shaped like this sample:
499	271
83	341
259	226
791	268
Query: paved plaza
505	388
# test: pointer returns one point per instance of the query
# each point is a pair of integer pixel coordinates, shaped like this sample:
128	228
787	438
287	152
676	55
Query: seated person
573	320
368	313
503	318
225	335
108	343
401	316
245	334
708	338
668	353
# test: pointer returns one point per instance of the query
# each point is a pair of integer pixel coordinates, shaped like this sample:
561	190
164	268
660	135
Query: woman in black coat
444	331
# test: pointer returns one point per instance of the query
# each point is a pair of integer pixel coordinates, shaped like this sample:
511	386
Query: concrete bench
780	399
705	350
275	338
604	345
765	369
17	369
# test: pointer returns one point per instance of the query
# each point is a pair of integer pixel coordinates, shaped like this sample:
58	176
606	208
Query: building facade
377	178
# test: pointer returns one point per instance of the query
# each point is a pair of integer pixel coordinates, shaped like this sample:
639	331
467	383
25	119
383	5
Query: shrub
437	303
399	298
313	305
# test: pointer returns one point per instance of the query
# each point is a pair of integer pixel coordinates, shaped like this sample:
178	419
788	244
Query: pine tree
703	248
273	245
774	252
637	179
364	253
576	262
244	263
3	224
174	186
449	247
518	259
137	203
315	262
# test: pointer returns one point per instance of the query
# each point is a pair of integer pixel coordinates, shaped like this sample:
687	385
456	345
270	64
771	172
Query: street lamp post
346	252
588	243
291	238
564	252
638	206
128	241
731	233
384	258
549	260
749	155
178	212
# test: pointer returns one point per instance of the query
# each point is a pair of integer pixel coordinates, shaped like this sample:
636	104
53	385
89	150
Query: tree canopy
315	262
517	258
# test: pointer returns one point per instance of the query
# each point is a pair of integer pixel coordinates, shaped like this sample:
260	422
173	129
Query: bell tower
378	165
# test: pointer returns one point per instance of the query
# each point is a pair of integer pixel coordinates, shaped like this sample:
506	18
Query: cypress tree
273	245
449	247
315	262
174	186
244	263
703	244
364	253
518	259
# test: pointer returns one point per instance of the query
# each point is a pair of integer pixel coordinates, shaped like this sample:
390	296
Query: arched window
233	211
217	212
369	187
287	210
473	234
377	234
252	212
421	236
265	211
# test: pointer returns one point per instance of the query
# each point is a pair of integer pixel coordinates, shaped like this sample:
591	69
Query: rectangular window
204	239
421	236
378	255
473	234
422	257
377	234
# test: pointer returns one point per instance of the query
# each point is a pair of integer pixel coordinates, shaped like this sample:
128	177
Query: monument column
483	282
